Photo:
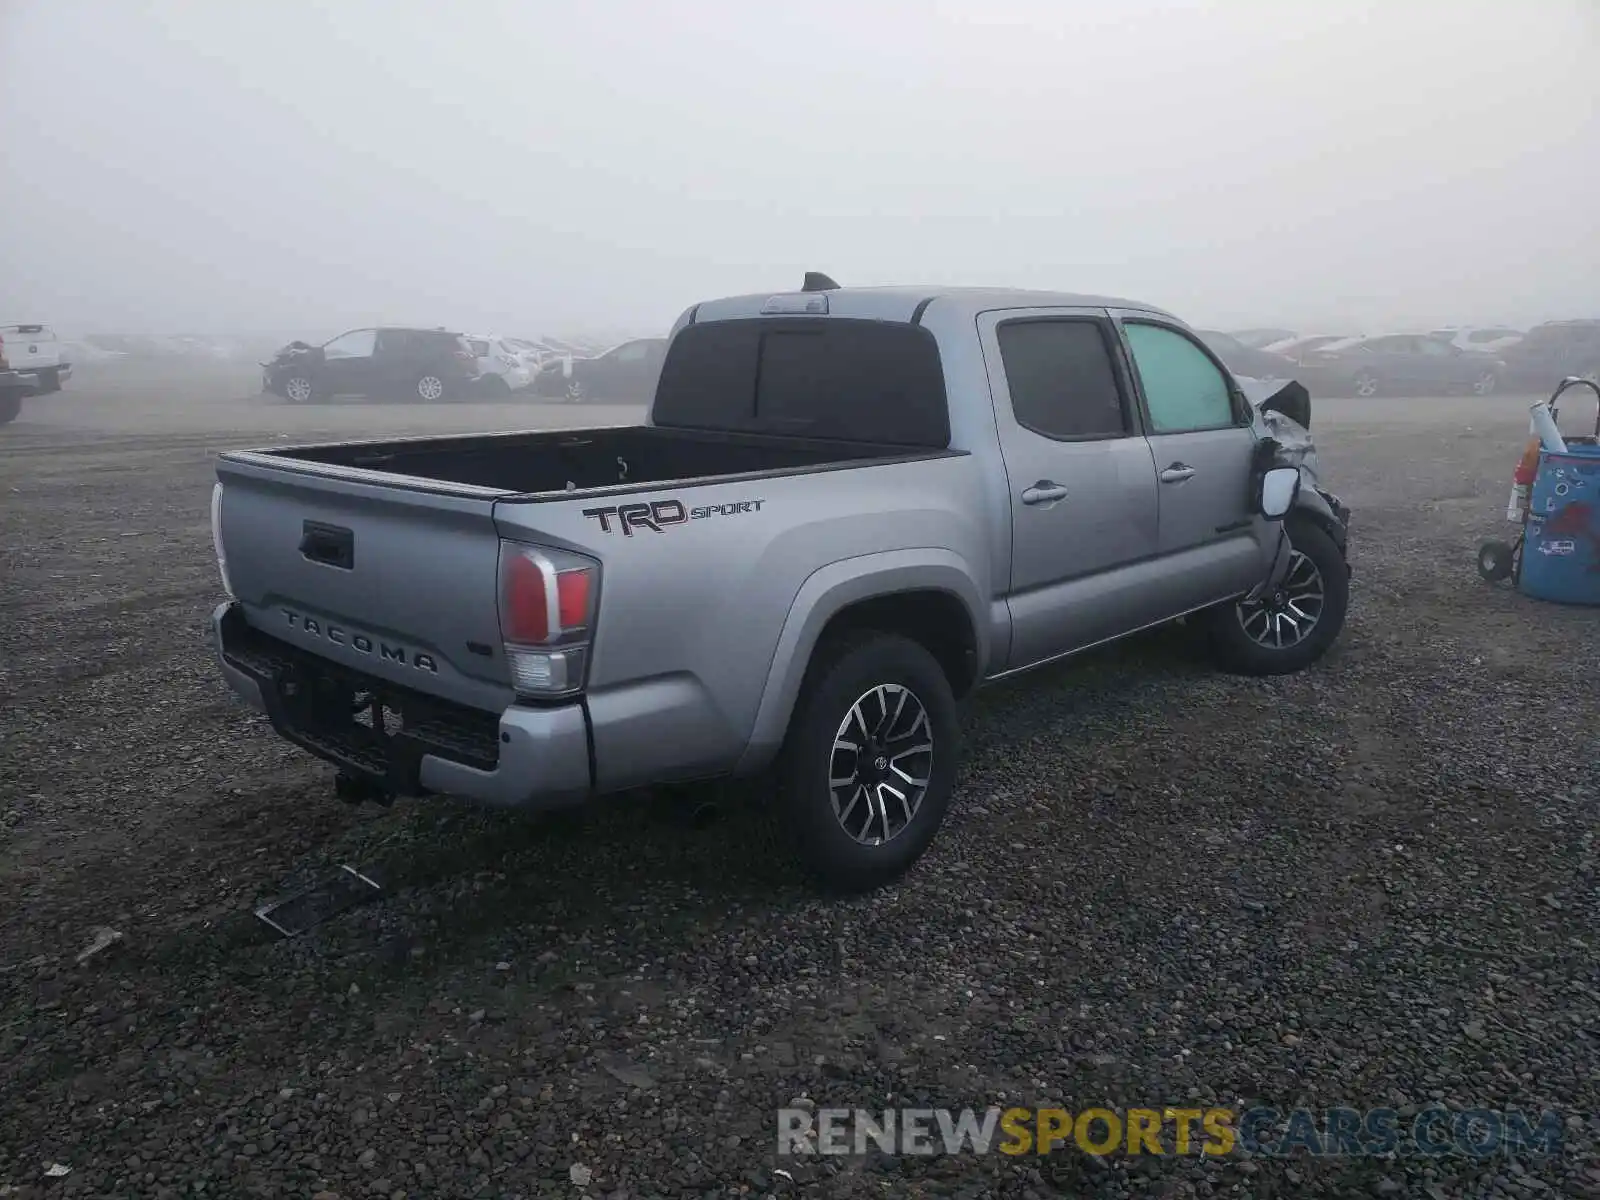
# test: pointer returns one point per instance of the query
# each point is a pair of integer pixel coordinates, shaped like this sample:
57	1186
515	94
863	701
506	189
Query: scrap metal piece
104	938
341	891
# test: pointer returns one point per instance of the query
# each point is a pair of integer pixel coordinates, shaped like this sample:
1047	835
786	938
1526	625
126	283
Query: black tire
10	405
49	381
843	672
1365	383
1238	652
1496	561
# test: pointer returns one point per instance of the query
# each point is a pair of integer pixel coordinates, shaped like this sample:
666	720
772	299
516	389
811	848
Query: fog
528	166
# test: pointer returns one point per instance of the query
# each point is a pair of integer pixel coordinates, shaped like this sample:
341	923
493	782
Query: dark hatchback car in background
625	373
1246	360
388	363
1398	364
1552	351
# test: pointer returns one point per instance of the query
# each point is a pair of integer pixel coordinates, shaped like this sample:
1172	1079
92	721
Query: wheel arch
927	595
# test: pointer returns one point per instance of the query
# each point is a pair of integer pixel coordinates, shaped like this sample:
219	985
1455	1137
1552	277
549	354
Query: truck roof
902	302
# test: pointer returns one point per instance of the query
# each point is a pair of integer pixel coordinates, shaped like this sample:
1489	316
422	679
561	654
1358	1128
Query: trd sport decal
660	515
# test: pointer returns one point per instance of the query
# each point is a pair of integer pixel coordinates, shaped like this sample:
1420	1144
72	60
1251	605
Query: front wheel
1292	628
1366	383
1485	384
298	389
576	393
869	761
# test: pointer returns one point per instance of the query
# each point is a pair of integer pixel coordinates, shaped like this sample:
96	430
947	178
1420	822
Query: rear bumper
522	758
11	380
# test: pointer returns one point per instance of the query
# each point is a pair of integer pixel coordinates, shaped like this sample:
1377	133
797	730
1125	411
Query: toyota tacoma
846	509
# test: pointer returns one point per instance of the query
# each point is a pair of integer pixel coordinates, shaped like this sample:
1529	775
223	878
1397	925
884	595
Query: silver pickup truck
847	508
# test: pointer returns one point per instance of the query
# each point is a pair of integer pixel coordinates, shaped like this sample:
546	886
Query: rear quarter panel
692	615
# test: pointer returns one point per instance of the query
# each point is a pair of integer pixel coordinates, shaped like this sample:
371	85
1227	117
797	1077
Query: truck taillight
547	605
216	538
3	364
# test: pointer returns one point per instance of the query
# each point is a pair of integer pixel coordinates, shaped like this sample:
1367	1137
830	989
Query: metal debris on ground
57	1170
104	938
343	889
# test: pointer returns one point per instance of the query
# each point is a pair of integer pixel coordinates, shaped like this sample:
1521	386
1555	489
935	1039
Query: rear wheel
429	388
49	381
869	760
576	393
1485	384
1292	628
1365	383
10	405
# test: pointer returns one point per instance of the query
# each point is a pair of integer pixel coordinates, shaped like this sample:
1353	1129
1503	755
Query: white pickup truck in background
31	363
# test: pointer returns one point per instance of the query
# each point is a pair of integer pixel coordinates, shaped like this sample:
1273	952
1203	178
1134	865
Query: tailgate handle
330	545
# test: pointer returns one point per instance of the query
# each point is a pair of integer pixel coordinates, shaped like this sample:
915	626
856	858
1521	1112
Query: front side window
630	352
356	344
1183	389
1061	380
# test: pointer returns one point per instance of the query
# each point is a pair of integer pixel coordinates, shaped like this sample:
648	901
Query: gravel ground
1370	885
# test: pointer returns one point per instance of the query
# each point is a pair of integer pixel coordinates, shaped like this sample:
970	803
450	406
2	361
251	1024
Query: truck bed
564	461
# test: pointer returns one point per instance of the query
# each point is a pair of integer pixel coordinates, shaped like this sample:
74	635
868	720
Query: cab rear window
830	378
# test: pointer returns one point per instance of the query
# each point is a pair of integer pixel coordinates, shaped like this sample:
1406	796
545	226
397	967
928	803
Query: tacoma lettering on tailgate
361	643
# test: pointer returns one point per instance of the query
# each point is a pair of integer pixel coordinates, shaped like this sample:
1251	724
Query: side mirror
1280	488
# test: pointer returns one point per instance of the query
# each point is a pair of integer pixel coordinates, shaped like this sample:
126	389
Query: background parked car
1260	339
1245	361
502	366
1296	348
625	372
1487	339
35	355
1552	351
399	363
1406	364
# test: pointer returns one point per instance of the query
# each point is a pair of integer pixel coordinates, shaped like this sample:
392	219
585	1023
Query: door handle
1177	473
1046	491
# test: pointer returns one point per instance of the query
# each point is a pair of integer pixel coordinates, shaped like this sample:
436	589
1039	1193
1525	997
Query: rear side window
1184	390
830	378
479	347
1061	380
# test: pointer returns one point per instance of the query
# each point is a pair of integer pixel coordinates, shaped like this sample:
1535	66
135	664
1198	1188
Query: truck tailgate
396	582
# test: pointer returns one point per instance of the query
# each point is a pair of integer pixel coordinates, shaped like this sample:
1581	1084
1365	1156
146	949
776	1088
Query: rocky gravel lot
1370	885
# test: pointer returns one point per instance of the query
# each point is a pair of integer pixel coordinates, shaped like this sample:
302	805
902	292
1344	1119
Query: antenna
816	281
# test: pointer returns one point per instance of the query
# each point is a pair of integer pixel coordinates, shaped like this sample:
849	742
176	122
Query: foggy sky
232	167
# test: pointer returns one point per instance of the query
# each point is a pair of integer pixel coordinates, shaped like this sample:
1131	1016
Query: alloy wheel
1484	384
430	387
298	389
881	764
1287	617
